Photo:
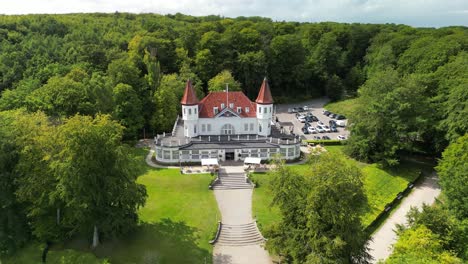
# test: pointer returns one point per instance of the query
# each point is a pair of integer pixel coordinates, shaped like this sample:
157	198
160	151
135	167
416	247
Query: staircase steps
240	235
232	181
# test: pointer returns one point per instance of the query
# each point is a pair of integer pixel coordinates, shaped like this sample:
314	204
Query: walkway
240	240
425	192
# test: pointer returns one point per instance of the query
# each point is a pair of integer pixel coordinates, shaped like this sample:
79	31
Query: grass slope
381	186
178	220
342	107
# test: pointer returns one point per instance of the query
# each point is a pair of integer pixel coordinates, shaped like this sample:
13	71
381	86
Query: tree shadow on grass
162	242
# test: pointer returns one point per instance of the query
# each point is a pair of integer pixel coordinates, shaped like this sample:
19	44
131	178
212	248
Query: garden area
178	220
380	186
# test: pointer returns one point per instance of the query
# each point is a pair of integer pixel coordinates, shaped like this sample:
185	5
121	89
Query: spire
189	98
264	95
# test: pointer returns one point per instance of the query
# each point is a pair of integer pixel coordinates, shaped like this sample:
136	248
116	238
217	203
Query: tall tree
320	212
128	109
167	103
453	173
219	82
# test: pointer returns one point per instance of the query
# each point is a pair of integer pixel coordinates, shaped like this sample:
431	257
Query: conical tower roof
189	98
264	95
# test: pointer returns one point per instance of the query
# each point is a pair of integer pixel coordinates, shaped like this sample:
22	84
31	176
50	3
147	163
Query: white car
306	108
301	118
341	137
320	123
340	123
326	128
312	130
320	129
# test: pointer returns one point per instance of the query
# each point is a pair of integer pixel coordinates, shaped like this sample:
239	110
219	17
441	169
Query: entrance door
229	155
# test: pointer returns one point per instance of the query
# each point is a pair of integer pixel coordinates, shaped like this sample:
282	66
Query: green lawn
381	187
178	220
342	107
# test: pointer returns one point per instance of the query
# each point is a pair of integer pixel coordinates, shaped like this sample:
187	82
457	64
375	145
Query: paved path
385	237
236	211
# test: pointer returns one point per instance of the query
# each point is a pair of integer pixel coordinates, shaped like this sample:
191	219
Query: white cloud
414	12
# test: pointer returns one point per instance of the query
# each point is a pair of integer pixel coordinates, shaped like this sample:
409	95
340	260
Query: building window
259	128
231	105
270	109
227	129
259	109
195	129
246	127
222	106
184	110
251	126
190	111
195	111
247	109
203	127
239	110
215	110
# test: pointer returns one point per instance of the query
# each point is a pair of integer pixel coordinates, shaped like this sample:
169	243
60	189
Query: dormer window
247	109
190	111
215	110
231	105
239	110
222	106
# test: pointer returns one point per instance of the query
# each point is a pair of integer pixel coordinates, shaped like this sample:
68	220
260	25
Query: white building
227	126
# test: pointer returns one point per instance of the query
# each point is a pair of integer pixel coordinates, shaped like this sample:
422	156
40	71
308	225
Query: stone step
240	235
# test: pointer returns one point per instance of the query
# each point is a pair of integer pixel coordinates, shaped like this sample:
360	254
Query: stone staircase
240	235
232	181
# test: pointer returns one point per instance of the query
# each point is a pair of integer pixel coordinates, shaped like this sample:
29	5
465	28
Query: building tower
264	109
190	111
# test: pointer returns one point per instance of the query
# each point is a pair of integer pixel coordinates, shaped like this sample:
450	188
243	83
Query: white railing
175	126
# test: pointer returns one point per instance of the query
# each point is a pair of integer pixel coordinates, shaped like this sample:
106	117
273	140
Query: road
424	193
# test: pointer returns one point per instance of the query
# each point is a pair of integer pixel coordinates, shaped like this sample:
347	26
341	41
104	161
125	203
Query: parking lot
316	108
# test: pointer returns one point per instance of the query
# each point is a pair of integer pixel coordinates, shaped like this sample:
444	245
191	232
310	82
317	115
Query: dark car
332	115
326	138
309	114
317	137
300	109
307	124
309	119
333	129
327	113
315	119
340	117
332	123
305	130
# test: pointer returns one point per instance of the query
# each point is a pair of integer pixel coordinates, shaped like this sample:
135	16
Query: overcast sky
420	13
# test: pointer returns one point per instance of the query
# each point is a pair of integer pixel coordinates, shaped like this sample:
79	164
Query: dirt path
425	192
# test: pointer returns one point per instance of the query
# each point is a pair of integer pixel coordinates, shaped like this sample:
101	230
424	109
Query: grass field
342	107
380	186
178	220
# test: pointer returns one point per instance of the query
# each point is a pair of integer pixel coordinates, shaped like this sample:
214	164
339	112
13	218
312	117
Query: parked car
307	124
332	123
305	130
333	129
340	117
326	128
320	129
306	108
325	112
309	118
290	110
317	137
315	119
312	130
320	123
301	119
340	123
326	138
309	114
341	137
300	109
332	115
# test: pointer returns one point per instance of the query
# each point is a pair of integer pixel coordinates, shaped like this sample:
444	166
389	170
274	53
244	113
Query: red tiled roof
215	99
264	96
189	98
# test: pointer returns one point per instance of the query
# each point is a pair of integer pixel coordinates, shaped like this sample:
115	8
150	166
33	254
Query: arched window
227	129
190	111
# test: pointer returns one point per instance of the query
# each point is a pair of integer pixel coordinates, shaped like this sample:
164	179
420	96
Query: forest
121	76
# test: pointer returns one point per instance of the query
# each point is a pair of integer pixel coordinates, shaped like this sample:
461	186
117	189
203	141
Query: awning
250	160
207	162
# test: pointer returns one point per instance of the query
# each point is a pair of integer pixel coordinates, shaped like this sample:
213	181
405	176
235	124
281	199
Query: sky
418	13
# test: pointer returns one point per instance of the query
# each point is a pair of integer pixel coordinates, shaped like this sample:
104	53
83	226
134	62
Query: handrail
175	125
218	232
159	140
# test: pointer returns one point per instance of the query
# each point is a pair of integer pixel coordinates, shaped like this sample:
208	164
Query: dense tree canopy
320	219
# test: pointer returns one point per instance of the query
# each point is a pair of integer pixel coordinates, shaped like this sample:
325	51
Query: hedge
332	142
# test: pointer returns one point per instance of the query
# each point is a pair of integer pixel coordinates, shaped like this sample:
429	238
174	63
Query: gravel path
236	209
425	192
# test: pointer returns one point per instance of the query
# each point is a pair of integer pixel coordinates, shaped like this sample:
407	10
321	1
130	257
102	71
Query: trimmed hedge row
332	142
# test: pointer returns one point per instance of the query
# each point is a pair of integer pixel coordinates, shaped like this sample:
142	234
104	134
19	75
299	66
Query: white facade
264	117
190	119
